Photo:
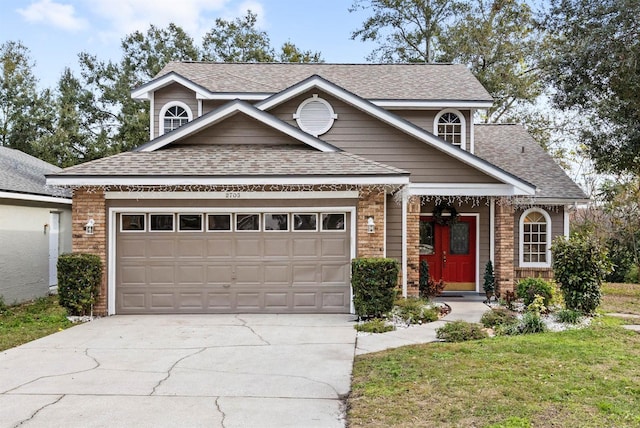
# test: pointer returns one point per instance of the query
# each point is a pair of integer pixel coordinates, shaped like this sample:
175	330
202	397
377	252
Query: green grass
29	321
586	377
621	298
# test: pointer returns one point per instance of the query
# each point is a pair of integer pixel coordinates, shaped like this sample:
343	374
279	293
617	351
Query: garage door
212	262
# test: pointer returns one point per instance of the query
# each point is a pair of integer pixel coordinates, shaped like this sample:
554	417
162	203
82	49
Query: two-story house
261	182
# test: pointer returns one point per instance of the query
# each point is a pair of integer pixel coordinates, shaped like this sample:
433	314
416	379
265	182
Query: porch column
413	245
504	247
90	204
371	204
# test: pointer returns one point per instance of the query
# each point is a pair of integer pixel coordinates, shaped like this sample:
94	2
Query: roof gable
317	82
230	109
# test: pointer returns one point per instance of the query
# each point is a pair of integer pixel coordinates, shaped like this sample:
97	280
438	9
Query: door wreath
440	210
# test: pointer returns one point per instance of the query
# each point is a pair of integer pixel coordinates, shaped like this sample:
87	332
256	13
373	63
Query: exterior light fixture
89	226
371	226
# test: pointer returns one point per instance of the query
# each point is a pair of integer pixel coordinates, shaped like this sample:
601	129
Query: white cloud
58	15
126	16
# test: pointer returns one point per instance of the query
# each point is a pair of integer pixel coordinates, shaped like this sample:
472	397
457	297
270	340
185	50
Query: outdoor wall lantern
371	226
89	226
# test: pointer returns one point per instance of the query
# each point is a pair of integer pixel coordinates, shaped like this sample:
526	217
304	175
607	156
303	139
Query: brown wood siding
394	228
239	129
357	132
172	92
424	119
208	105
557	229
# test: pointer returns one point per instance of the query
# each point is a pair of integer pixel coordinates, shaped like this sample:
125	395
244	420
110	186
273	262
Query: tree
241	41
22	112
73	137
120	122
594	69
237	41
498	41
290	53
406	30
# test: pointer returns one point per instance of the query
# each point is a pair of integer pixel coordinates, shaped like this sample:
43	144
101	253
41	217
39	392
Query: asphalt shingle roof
231	161
369	81
23	173
511	147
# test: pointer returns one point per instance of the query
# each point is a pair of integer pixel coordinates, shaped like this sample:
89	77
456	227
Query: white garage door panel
226	272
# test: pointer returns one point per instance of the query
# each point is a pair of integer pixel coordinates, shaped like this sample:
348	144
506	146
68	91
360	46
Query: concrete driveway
182	371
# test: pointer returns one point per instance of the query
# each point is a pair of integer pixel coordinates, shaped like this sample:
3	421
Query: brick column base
504	251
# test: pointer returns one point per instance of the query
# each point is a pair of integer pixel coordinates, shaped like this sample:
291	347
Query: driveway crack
38	411
86	353
173	366
246	324
224	416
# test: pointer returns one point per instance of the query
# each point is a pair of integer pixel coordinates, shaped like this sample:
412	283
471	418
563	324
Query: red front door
450	251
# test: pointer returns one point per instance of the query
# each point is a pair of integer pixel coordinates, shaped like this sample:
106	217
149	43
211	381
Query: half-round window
173	116
449	125
315	116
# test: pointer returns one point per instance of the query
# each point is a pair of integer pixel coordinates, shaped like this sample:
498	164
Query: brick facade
89	203
370	204
413	246
504	247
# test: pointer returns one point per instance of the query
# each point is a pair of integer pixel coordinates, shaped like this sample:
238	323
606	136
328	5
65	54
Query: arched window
450	126
535	238
173	116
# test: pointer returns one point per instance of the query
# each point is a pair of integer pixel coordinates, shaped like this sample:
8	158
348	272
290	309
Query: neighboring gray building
35	227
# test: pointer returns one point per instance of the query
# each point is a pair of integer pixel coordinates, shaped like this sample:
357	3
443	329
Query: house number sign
232	195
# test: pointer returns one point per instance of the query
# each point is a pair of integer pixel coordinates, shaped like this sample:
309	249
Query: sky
56	31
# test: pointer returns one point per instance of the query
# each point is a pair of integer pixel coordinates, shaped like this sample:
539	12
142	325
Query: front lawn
586	378
621	298
29	321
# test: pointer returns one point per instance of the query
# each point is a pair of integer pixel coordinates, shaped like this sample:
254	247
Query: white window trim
521	261
246	212
202	222
344	226
231	219
162	231
166	107
264	223
293	229
463	125
144	217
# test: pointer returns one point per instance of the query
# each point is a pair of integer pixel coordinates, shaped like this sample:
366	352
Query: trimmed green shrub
568	316
528	288
415	311
579	266
460	331
79	278
498	316
375	325
374	282
633	275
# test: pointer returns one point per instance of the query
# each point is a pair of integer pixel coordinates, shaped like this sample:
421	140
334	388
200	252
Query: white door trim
54	247
112	228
